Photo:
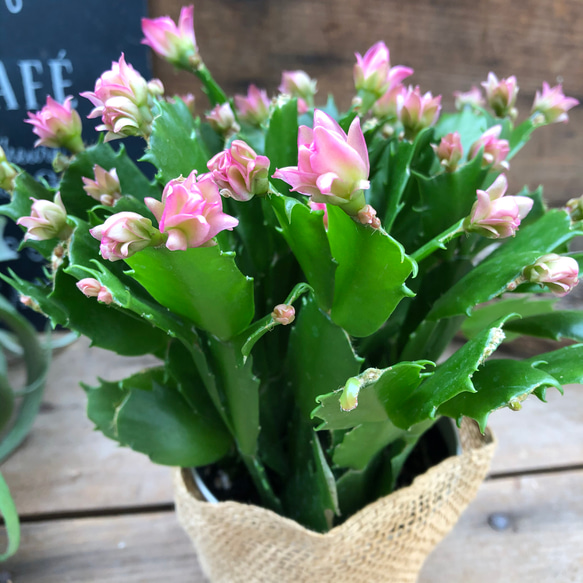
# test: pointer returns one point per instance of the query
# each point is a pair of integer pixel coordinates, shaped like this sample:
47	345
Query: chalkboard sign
57	48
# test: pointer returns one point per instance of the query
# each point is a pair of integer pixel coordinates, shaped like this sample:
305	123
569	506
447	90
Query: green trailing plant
299	272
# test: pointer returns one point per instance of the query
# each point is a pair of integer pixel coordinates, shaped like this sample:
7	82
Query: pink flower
472	98
124	234
123	100
553	104
254	108
501	95
387	105
105	188
47	220
497	216
320	206
176	44
333	167
449	151
57	126
93	289
298	84
239	172
191	212
495	150
222	120
8	173
559	274
417	112
283	314
371	72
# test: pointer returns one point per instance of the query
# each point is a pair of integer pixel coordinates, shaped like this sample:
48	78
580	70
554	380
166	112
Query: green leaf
371	274
491	277
241	392
565	364
147	413
11	522
309	496
468	123
132	180
454	376
320	356
499	383
363	442
176	147
486	315
304	231
372	397
449	196
519	137
555	325
202	284
36	360
281	141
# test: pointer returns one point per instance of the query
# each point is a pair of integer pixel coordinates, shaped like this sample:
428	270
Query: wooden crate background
450	44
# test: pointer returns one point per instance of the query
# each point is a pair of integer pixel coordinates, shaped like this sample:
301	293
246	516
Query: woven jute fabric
385	542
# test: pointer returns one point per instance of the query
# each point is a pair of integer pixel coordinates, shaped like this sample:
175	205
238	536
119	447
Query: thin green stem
439	242
212	89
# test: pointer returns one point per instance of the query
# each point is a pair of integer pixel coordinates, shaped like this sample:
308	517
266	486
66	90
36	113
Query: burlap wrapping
385	542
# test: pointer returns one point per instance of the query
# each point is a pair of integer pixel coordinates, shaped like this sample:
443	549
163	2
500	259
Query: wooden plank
539	535
64	465
541	435
540	540
146	548
451	45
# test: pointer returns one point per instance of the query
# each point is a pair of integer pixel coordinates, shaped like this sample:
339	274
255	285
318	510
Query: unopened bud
7	173
575	209
283	314
367	215
560	274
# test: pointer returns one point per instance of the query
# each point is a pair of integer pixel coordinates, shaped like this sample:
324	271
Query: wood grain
451	45
539	538
64	465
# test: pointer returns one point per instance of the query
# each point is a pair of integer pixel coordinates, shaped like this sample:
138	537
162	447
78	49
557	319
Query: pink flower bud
176	44
367	215
575	209
124	234
371	72
333	166
553	104
8	173
123	100
449	151
57	126
417	112
239	172
298	84
253	108
89	286
93	289
320	206
283	314
501	95
497	216
47	220
495	150
472	98
191	212
222	120
559	274
155	87
387	105
105	188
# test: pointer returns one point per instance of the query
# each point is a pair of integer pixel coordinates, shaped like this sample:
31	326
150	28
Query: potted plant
299	273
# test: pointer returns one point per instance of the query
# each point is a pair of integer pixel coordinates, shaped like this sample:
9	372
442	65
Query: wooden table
93	512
